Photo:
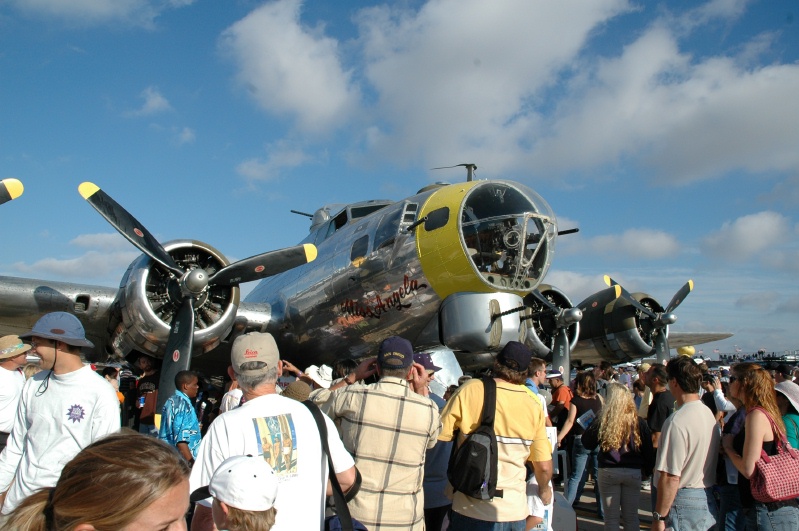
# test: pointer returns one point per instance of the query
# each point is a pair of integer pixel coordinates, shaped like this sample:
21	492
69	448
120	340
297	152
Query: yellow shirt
521	436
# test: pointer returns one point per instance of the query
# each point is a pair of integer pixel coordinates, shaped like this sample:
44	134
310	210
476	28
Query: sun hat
60	326
321	375
245	482
515	356
791	391
554	374
395	353
11	347
255	346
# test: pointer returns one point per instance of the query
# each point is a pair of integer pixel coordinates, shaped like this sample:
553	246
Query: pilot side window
359	248
386	232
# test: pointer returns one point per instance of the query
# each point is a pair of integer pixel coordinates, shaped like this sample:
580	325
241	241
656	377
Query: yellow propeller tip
618	290
691	285
607	280
14	187
310	252
87	189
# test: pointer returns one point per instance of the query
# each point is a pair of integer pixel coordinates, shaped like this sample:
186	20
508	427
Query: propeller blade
11	189
264	265
680	296
601	298
536	295
662	346
561	353
127	225
177	356
626	295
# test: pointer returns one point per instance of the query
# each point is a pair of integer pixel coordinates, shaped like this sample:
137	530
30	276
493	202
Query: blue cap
425	360
395	353
60	326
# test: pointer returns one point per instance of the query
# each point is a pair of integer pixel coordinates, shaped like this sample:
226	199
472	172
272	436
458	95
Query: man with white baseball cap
244	489
63	409
278	430
13	356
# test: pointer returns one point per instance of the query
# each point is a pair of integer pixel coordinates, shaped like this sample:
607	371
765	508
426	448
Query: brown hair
238	520
756	387
107	485
585	384
509	375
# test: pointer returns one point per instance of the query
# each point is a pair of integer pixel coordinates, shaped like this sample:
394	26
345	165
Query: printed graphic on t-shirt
278	443
75	413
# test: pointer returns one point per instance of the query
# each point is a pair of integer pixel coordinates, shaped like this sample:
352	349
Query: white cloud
291	69
747	236
186	135
637	244
577	286
92	265
280	156
465	78
154	103
95	12
105	241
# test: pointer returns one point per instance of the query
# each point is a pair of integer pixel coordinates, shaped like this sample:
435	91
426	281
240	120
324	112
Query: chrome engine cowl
619	331
149	297
541	330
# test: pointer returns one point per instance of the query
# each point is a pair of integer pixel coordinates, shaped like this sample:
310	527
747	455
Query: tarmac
586	508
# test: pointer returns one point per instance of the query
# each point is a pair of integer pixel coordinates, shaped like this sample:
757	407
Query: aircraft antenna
470	169
302	213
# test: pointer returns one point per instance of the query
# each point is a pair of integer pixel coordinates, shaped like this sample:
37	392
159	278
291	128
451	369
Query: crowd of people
261	456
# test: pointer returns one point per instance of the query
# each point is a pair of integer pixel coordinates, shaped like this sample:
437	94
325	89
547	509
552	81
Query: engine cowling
541	330
149	297
619	331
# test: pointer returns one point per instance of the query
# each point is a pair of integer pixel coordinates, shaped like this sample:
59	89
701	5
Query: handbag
342	519
774	478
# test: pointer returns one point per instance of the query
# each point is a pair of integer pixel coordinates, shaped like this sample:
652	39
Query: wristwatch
657	517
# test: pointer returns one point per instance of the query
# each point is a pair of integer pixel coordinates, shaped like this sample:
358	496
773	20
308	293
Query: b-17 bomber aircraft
456	266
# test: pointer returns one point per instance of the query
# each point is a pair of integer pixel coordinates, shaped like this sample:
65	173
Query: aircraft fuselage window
387	229
506	237
437	219
359	248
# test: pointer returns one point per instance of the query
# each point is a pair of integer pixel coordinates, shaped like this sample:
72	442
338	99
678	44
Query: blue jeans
583	461
692	510
459	522
731	516
782	519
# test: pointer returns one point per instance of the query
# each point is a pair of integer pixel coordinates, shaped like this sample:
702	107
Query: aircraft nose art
485	236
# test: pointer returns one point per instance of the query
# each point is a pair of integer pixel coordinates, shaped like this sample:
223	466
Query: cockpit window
361	211
509	232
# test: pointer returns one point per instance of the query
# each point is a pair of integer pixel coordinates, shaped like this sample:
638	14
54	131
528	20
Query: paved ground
587	519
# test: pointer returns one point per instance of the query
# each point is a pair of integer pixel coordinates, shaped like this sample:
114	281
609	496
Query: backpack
472	466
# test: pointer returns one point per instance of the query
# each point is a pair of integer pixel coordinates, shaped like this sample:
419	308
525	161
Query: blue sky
666	131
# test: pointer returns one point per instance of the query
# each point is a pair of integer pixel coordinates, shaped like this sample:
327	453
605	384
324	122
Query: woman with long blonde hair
122	482
752	384
625	448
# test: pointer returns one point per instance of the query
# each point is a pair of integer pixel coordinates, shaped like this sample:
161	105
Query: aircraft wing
24	300
686	339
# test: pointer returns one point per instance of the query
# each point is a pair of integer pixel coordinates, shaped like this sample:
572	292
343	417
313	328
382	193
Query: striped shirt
387	428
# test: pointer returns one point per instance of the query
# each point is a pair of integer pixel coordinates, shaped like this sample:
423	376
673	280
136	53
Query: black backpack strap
342	510
489	402
489	412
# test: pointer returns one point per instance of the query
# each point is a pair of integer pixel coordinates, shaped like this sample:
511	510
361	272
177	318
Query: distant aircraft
10	189
455	266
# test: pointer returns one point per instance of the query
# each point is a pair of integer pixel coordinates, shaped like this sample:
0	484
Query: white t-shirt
11	383
76	409
284	432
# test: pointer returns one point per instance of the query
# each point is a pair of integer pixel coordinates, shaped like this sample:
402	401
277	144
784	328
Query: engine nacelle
149	297
541	331
618	332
